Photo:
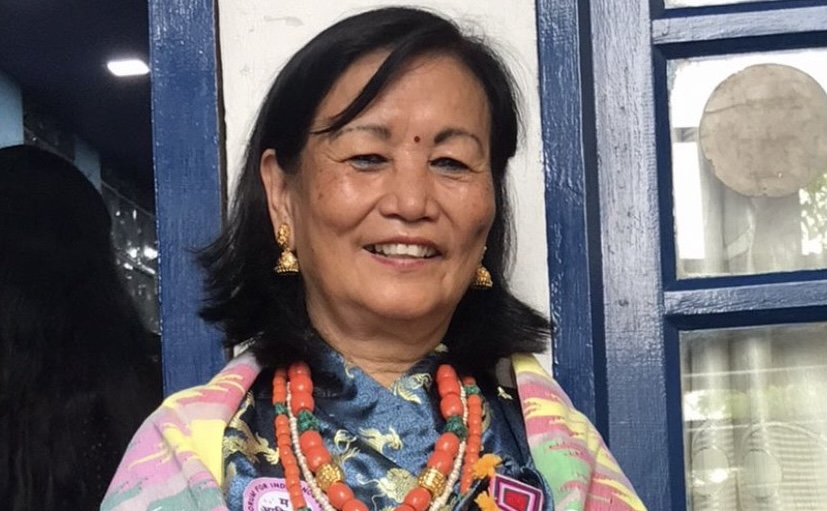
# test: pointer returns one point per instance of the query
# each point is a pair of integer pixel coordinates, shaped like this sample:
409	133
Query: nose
409	191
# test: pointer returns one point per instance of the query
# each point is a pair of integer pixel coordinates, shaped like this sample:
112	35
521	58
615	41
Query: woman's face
390	214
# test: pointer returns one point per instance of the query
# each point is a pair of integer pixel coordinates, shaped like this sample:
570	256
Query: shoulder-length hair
75	375
249	302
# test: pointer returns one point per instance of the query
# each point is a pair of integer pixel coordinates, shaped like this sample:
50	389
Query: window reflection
133	234
755	418
749	135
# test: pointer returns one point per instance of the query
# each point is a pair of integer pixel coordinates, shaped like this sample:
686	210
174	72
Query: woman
375	183
75	379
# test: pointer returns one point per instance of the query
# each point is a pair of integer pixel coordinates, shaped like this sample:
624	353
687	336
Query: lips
403	250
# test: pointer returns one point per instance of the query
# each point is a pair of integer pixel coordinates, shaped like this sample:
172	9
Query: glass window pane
133	236
755	418
749	162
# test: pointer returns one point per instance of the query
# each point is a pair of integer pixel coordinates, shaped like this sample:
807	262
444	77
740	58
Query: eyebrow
377	129
385	134
449	133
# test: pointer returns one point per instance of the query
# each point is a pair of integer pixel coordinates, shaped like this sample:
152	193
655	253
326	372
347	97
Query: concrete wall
11	112
12	131
258	36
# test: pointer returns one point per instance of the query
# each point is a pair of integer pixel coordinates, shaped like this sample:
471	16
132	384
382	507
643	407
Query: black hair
244	296
75	377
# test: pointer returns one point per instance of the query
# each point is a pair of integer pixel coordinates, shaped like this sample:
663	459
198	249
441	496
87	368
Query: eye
367	161
448	164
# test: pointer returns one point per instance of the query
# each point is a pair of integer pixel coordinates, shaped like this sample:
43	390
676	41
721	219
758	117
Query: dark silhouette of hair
244	296
75	379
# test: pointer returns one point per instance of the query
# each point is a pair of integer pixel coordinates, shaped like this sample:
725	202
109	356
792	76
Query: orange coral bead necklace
302	450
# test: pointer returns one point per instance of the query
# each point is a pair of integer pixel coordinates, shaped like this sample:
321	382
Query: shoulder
534	381
566	448
179	445
218	398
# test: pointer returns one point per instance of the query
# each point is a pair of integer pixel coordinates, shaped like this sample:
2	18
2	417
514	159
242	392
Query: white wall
258	36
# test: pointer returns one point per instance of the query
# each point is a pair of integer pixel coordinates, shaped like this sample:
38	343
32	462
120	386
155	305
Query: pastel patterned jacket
174	462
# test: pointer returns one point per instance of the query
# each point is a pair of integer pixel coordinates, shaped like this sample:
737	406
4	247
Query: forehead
413	78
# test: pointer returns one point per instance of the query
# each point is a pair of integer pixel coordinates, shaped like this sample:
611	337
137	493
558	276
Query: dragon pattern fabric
197	443
380	436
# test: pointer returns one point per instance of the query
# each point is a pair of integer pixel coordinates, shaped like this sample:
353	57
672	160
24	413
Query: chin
408	308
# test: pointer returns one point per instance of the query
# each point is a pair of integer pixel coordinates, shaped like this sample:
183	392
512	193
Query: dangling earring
482	278
287	263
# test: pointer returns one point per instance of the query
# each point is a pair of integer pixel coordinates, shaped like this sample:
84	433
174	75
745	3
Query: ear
275	182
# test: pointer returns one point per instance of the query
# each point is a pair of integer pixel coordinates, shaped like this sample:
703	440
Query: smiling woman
410	219
374	182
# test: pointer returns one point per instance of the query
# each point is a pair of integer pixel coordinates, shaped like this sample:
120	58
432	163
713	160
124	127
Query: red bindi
416	139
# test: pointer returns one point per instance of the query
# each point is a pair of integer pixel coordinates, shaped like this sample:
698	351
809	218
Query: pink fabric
174	462
567	449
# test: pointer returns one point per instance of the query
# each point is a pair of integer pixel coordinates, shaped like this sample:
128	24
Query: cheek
331	202
482	210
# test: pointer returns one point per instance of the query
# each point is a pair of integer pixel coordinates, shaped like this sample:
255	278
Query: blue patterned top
381	437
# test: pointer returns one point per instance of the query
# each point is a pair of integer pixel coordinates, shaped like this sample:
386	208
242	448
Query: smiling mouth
402	250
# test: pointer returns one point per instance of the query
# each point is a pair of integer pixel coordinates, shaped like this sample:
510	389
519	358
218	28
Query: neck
384	355
384	367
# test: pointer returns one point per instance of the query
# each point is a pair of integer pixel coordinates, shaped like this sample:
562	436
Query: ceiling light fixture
127	67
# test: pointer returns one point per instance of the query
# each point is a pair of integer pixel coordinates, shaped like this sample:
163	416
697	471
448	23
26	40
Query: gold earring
287	264
482	277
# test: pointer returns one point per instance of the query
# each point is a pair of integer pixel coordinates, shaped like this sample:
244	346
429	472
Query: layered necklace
303	453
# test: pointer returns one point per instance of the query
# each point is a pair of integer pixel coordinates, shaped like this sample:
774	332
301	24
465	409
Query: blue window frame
572	207
640	306
188	190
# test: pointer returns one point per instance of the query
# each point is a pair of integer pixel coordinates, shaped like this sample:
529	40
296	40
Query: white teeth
399	249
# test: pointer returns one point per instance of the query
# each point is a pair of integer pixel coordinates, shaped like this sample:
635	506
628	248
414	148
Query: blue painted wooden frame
571	205
188	196
730	25
749	297
645	306
636	350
